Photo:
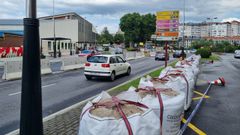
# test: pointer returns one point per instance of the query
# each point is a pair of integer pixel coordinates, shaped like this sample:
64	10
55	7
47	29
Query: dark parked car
177	54
161	56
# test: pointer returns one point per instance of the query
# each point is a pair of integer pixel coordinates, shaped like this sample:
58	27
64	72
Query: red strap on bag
185	62
156	92
185	79
162	80
115	102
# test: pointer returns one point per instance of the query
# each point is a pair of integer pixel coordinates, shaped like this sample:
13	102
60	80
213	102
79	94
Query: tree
148	26
201	43
130	24
138	28
105	37
118	38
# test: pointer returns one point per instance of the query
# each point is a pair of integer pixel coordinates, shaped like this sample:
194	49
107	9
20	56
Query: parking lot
219	113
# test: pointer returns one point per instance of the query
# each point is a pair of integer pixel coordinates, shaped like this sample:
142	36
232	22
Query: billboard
167	24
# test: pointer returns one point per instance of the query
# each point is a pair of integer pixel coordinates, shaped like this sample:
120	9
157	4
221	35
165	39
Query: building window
58	47
62	46
49	45
65	46
69	45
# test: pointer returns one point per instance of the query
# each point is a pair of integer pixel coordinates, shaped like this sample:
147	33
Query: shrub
218	47
230	49
131	49
204	52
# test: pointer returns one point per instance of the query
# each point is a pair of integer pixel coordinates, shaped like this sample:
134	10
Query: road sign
164	38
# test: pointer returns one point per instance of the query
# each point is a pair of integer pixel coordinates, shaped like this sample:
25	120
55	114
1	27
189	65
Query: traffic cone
220	82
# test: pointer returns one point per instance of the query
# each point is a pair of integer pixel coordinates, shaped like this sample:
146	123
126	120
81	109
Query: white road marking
16	93
19	92
45	86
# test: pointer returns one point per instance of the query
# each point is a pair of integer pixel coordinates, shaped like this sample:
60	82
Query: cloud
231	19
108	12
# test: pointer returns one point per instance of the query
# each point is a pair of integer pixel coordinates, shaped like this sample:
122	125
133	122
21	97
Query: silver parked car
237	54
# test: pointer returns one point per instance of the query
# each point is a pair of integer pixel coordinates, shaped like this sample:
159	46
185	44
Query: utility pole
31	97
184	10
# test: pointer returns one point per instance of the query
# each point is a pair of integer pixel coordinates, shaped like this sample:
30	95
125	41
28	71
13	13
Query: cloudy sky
108	12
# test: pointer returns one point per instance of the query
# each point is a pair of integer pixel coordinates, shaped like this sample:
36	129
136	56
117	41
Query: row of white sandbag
102	116
183	77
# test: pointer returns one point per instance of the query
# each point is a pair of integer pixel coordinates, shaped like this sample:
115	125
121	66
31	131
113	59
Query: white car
108	66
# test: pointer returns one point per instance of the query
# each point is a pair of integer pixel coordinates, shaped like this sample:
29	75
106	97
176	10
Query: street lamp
54	35
84	34
95	35
31	97
184	16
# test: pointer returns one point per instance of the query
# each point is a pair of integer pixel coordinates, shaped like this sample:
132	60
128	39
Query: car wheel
128	71
88	77
112	77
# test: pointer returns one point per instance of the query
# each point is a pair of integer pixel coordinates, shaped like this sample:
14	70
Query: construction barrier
130	55
152	54
45	67
139	55
73	62
13	68
146	53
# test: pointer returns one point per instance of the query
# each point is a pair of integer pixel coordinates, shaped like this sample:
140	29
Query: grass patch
125	87
135	82
213	57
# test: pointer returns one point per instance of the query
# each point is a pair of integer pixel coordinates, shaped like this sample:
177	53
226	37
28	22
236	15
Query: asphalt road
60	91
1	72
219	115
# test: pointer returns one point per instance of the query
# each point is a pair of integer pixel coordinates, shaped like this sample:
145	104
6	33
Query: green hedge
230	49
204	52
131	49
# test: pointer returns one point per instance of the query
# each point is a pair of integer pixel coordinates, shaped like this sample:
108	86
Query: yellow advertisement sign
167	13
163	17
164	13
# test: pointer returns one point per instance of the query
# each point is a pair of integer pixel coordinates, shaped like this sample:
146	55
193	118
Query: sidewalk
219	114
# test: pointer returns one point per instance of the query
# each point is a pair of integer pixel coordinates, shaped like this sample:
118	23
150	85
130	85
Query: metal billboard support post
166	54
31	97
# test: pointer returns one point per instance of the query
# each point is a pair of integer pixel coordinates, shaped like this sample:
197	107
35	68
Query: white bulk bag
195	59
189	73
191	78
141	124
173	109
193	67
176	83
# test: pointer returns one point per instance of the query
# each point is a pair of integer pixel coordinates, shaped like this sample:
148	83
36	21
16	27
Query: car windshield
98	59
86	51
